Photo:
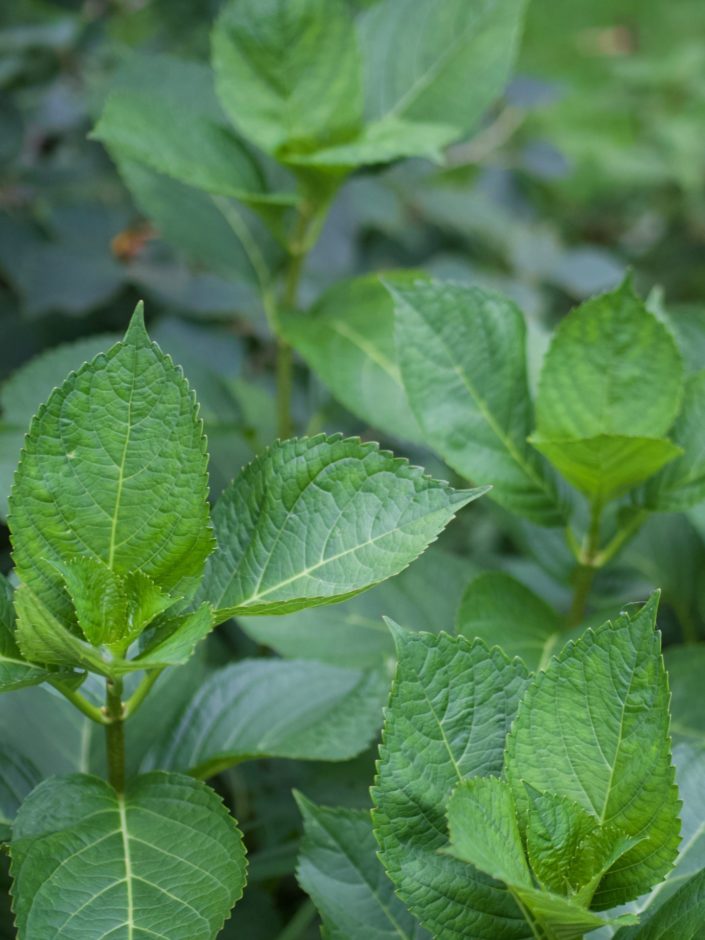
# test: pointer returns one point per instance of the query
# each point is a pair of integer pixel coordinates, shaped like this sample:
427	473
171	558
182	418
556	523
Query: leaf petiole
81	703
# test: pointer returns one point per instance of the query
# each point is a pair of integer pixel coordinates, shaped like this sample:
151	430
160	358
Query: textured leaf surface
338	868
15	673
114	467
451	58
681	484
163	112
593	377
607	465
680	918
463	362
347	338
483	829
504	612
449	711
288	72
163	860
425	596
314	520
594	728
272	708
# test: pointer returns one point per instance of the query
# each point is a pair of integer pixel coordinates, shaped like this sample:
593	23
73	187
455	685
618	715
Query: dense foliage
468	230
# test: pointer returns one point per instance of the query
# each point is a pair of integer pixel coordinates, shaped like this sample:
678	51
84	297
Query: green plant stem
587	567
621	538
82	704
115	734
140	693
299	247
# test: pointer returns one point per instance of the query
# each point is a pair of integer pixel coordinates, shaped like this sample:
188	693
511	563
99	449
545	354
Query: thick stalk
587	567
115	734
298	249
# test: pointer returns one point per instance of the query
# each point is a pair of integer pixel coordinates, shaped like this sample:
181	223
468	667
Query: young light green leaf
98	597
114	467
451	705
504	612
607	465
562	918
15	673
288	72
594	728
163	112
273	708
347	338
681	484
315	520
174	640
166	852
592	382
568	850
463	362
424	596
483	829
338	868
451	58
680	918
18	777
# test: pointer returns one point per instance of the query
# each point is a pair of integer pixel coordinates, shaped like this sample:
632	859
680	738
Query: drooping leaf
288	72
114	466
347	338
463	362
594	728
449	711
607	465
680	918
338	868
425	596
18	776
163	856
163	112
681	484
450	60
502	611
315	520
274	708
483	829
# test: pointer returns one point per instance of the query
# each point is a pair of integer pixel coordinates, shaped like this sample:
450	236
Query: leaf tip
136	334
398	633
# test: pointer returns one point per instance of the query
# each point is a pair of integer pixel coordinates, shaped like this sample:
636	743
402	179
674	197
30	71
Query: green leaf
612	369
680	918
15	673
274	708
449	711
462	352
424	596
382	142
594	728
607	465
681	484
502	611
18	777
43	639
99	599
288	72
114	467
339	869
164	853
565	919
451	58
347	338
483	829
163	113
568	850
315	520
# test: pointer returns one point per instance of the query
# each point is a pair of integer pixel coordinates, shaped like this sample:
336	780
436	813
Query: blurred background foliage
592	163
